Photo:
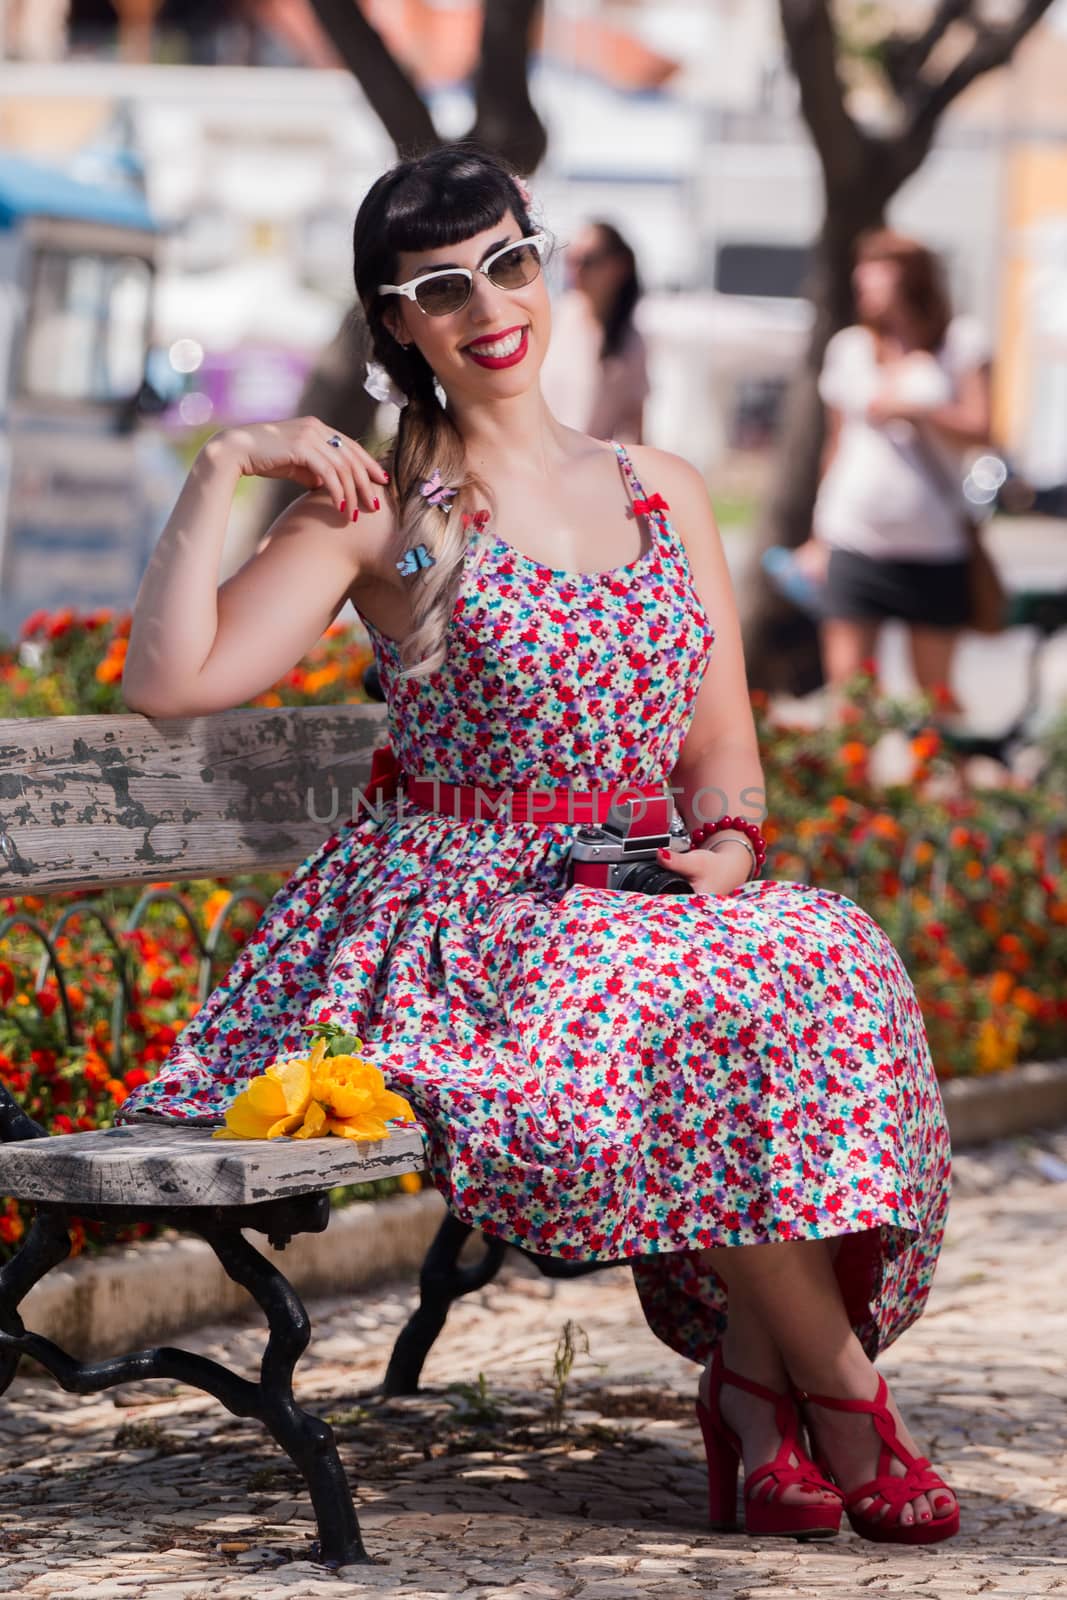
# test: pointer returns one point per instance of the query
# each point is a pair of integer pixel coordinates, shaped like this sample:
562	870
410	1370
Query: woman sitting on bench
660	1057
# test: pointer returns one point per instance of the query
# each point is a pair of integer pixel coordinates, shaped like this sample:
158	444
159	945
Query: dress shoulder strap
653	506
633	483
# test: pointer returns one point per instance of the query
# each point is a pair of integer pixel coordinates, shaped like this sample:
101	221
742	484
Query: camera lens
648	877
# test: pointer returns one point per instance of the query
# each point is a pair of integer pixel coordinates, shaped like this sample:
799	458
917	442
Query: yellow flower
355	1097
272	1105
315	1096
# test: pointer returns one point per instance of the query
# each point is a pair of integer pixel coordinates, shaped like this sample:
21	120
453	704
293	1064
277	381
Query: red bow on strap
655	502
384	773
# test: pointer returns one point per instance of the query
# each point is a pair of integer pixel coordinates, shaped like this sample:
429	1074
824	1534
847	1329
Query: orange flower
214	904
321	677
11	1228
1000	988
109	670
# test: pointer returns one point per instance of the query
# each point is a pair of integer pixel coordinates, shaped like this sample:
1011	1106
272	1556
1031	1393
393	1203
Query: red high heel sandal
890	1493
764	1512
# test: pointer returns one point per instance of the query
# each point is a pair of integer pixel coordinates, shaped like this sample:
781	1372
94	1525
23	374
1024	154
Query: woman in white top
907	392
595	375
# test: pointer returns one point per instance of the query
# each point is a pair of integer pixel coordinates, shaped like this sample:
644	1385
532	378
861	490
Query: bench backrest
90	801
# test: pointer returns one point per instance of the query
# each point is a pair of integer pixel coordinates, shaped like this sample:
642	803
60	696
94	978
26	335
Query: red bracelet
742	824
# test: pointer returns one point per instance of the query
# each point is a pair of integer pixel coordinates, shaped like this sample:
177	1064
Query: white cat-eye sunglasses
441	293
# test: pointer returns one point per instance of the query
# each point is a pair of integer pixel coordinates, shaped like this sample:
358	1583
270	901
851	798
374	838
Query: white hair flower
379	384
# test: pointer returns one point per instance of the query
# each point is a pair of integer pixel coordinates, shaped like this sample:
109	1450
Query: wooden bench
88	803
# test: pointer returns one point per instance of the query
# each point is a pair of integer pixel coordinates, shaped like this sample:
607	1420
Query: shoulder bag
987	594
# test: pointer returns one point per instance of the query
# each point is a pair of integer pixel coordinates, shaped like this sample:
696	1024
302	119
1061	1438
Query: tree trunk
505	121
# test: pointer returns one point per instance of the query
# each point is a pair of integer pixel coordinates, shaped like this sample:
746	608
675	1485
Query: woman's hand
887	406
813	558
718	871
299	449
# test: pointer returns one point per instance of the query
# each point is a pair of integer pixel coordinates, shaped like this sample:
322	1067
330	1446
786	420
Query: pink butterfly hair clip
436	492
478	520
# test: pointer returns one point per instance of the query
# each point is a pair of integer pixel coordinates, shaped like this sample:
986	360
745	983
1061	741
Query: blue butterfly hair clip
415	560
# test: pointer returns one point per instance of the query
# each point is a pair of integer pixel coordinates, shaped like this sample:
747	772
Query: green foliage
476	1403
573	1341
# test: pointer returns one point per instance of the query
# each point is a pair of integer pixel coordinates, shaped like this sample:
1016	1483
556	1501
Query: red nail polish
664	855
341	507
385	475
355	515
377	503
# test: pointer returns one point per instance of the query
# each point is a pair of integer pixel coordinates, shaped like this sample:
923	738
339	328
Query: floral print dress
601	1074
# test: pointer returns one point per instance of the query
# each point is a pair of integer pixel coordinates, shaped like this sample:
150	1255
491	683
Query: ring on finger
336	441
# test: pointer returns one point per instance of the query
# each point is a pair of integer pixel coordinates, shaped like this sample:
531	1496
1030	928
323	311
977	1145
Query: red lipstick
493	362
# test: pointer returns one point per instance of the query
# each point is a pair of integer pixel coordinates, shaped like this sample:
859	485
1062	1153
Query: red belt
476	802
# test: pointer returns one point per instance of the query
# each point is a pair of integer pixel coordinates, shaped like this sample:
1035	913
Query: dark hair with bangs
426	203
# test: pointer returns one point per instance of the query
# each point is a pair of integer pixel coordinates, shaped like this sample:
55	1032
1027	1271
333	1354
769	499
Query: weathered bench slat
91	801
145	1165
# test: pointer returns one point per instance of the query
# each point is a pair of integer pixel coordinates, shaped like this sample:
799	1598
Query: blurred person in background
595	376
907	394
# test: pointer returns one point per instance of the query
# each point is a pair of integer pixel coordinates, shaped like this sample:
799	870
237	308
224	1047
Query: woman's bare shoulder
660	470
372	536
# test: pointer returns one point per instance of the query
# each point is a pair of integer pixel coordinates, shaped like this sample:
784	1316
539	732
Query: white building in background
258	173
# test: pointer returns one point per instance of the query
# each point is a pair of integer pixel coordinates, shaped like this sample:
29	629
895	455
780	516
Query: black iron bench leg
46	1244
306	1439
441	1281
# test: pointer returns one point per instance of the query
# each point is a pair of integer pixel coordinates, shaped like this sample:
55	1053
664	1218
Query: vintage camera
621	854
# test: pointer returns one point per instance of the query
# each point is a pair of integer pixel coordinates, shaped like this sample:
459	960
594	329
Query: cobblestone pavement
153	1493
